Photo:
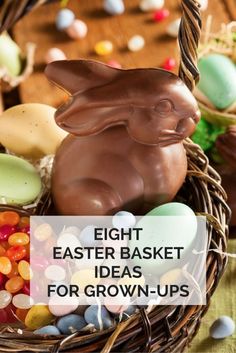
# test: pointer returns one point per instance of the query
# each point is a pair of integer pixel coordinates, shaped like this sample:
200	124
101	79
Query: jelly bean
161	15
169	64
6	230
114	63
5	299
104	47
22	301
26	288
5	244
77	30
222	327
25	270
43	232
173	28
16	253
54	54
71	323
39	262
38	316
150	5
2	250
123	219
49	330
55	273
99	317
87	237
9	217
5	265
10	310
18	239
25	229
21	314
14	270
114	7
136	43
60	306
64	19
14	284
2	279
24	222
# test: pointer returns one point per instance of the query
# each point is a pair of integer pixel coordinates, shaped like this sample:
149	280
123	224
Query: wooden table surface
39	27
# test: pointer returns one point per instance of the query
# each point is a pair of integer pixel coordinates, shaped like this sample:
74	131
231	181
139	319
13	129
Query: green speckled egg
20	183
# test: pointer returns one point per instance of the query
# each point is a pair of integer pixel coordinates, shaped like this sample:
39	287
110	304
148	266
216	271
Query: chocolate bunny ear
77	76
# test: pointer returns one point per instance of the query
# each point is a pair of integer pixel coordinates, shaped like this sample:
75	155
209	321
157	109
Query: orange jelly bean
5	265
14	284
18	239
14	271
24	270
21	314
24	222
16	252
9	217
2	250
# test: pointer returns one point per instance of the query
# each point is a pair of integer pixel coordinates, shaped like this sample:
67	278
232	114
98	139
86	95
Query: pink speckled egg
77	30
54	54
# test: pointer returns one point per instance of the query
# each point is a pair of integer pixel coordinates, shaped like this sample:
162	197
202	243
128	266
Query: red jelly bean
10	310
16	253
169	64
160	15
26	288
6	230
3	316
25	229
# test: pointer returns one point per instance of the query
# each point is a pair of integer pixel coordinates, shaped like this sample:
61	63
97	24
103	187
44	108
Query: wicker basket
161	328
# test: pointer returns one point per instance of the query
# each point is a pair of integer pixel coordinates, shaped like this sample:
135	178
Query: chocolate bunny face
155	105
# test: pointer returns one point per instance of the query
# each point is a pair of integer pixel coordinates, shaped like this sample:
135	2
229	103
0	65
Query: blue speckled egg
64	19
99	317
71	323
48	330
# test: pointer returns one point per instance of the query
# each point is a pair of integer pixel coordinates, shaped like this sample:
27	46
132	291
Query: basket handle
188	38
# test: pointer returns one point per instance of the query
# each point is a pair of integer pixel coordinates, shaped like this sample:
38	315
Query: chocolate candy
125	150
218	80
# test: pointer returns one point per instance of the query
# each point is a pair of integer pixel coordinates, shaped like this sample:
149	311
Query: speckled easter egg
71	323
19	181
48	330
38	316
99	317
29	130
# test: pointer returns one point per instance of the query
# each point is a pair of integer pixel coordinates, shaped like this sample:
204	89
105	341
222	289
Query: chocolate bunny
125	147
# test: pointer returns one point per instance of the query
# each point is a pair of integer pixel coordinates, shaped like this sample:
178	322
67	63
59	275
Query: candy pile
14	266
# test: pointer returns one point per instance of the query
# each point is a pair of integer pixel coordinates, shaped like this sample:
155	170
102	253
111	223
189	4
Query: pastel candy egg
38	316
114	307
29	130
114	63
71	323
77	30
5	299
218	80
114	7
99	317
54	54
49	330
10	55
223	327
150	5
104	47
71	230
22	301
87	236
136	43
55	273
19	181
64	19
179	232
68	240
43	232
203	4
128	312
123	219
84	277
173	28
60	306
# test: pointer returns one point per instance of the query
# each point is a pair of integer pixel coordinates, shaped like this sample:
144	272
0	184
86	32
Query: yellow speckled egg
38	316
29	130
